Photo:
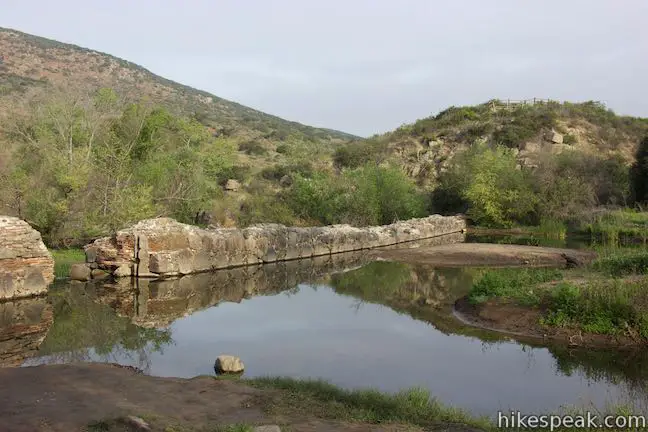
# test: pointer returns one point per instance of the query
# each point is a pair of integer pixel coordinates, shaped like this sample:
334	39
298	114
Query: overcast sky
366	66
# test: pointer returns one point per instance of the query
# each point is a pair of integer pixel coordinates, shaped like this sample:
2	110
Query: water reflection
348	320
86	327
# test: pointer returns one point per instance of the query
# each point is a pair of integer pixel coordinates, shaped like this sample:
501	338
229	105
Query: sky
366	66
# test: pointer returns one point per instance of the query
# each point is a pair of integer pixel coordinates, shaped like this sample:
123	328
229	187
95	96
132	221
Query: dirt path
71	397
486	254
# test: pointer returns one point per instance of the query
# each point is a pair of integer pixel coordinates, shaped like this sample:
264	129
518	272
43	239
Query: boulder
232	185
80	272
226	364
26	266
98	274
556	138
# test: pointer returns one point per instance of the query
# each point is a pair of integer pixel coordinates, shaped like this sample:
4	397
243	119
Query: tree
491	187
639	173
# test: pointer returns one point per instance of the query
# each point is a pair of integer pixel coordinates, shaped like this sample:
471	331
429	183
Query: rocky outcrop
26	266
164	247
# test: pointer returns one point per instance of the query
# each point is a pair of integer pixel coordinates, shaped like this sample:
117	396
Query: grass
623	262
307	398
611	306
516	284
63	260
609	298
616	224
293	399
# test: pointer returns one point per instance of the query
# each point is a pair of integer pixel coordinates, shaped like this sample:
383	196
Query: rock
556	138
80	272
123	271
137	423
91	254
228	364
267	428
98	274
232	185
26	266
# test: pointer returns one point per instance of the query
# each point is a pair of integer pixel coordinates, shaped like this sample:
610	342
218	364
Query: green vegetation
63	260
516	284
600	306
485	182
612	298
323	400
368	195
624	262
612	226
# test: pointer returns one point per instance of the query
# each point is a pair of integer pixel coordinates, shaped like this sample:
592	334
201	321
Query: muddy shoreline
523	323
486	254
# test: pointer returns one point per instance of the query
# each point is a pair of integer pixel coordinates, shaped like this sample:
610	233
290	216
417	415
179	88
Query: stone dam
163	247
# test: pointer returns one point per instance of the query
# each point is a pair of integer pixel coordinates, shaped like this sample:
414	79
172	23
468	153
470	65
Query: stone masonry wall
26	266
164	247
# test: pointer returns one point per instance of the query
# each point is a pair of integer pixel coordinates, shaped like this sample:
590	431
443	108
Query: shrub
252	148
569	139
356	154
276	172
365	196
487	182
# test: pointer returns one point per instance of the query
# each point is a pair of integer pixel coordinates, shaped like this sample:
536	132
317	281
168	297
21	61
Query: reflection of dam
157	303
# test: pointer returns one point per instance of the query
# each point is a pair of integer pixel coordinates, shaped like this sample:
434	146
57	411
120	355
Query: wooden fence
512	103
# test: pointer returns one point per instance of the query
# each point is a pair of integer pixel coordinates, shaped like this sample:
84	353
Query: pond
347	320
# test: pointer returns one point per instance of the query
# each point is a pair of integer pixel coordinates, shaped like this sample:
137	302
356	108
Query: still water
352	322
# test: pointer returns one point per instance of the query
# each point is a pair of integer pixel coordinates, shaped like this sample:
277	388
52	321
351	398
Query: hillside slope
424	148
33	62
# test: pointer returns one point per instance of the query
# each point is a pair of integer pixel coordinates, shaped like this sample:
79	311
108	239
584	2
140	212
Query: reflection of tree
627	367
86	330
397	284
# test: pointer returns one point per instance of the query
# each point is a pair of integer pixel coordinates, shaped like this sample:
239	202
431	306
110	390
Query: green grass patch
321	399
610	306
623	262
612	225
516	284
63	260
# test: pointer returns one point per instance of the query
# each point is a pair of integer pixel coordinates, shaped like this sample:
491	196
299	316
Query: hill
29	62
90	143
531	129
